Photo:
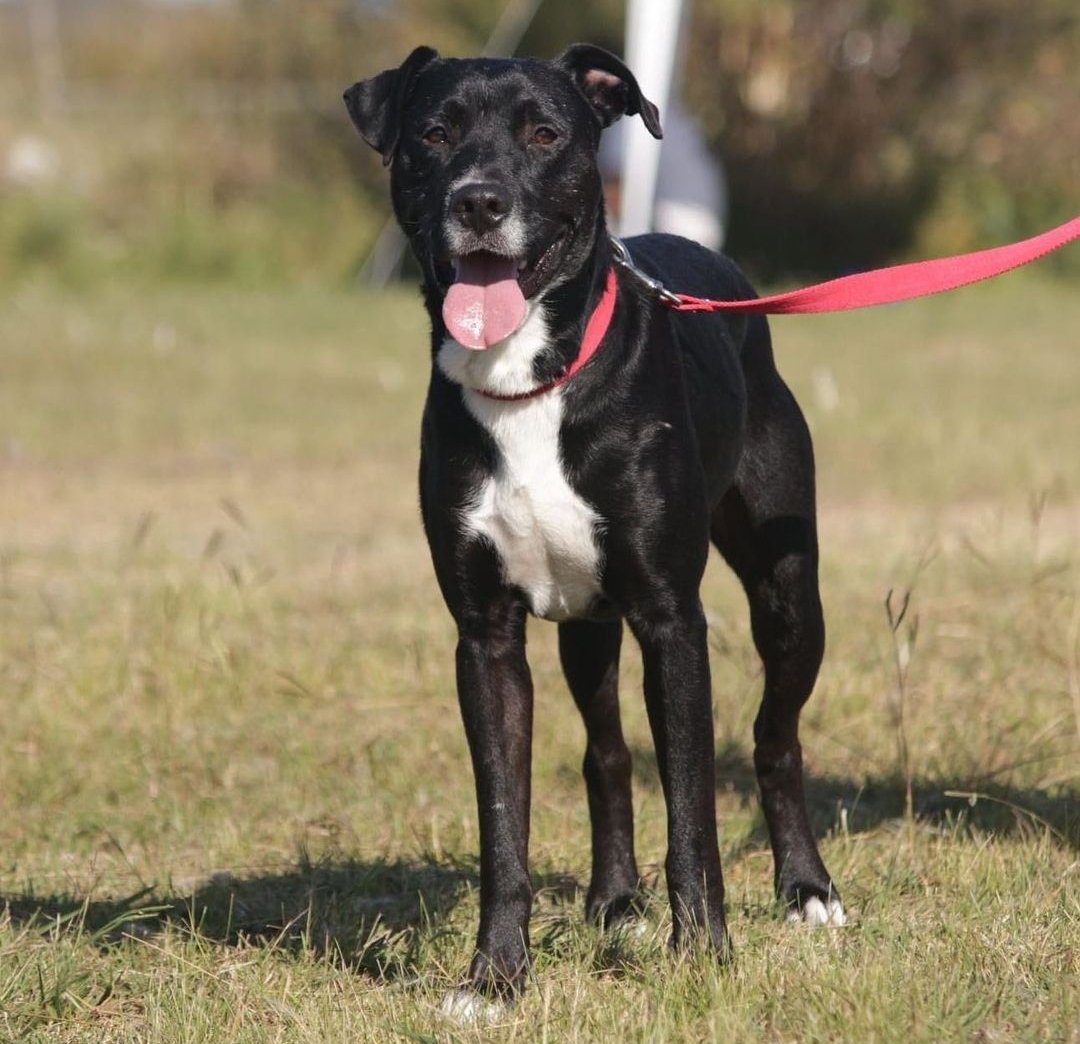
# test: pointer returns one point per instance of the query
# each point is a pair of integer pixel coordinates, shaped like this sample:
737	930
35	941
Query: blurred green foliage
208	141
858	130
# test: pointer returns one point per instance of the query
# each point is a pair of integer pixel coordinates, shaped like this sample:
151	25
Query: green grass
235	799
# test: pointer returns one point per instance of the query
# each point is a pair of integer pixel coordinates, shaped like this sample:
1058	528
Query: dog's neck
548	340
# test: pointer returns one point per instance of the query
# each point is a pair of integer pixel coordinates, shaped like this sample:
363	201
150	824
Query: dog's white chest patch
544	532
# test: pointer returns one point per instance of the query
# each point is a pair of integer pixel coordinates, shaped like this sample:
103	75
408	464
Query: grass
235	799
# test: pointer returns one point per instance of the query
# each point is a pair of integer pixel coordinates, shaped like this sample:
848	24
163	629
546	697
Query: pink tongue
485	304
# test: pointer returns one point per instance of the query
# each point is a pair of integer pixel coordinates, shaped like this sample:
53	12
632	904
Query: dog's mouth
486	301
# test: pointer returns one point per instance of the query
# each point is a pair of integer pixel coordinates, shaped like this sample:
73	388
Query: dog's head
493	171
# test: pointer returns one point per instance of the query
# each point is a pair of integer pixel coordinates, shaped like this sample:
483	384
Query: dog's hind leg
765	528
590	660
674	652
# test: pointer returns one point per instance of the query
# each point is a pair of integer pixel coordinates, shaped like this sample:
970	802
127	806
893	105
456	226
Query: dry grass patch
235	799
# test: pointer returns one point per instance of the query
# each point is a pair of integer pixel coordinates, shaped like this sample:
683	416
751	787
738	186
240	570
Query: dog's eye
544	136
436	136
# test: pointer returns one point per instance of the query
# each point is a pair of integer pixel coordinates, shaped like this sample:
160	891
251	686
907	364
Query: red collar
595	329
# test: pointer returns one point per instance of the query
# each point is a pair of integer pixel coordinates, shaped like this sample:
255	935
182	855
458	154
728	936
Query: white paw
468	1008
628	928
815	912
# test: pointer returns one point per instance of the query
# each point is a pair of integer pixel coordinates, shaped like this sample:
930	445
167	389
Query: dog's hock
609	86
375	105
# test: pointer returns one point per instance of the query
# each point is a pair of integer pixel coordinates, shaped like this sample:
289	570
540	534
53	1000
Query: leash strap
881	285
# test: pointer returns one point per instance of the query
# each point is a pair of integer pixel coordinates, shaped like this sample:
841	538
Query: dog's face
494	173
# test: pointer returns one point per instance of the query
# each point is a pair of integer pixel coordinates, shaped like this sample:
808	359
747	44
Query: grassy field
235	799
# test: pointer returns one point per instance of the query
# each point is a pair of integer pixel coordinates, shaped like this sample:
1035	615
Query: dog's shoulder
687	267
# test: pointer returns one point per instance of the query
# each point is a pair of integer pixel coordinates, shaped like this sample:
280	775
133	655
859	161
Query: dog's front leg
678	698
496	698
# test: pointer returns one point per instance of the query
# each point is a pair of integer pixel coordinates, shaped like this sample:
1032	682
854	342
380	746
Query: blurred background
206	140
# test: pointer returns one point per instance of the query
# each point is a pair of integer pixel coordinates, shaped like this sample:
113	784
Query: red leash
862	290
895	283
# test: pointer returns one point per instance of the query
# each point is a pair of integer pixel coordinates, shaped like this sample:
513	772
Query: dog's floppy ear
375	105
608	86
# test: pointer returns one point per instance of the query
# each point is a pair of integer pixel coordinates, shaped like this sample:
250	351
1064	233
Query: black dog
591	497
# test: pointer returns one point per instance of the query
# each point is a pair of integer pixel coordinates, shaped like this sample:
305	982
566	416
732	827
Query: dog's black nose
481	205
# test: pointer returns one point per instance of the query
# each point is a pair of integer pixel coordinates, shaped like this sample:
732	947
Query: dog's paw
468	1008
819	912
625	909
629	929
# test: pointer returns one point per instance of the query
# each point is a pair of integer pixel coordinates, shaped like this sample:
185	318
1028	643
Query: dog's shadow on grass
369	916
860	806
373	917
385	917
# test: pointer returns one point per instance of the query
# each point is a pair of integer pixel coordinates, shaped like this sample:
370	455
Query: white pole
652	34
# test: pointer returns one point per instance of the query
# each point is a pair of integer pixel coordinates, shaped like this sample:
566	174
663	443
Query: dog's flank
594	501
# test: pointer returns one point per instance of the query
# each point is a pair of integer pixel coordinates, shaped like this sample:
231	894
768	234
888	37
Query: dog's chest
543	531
